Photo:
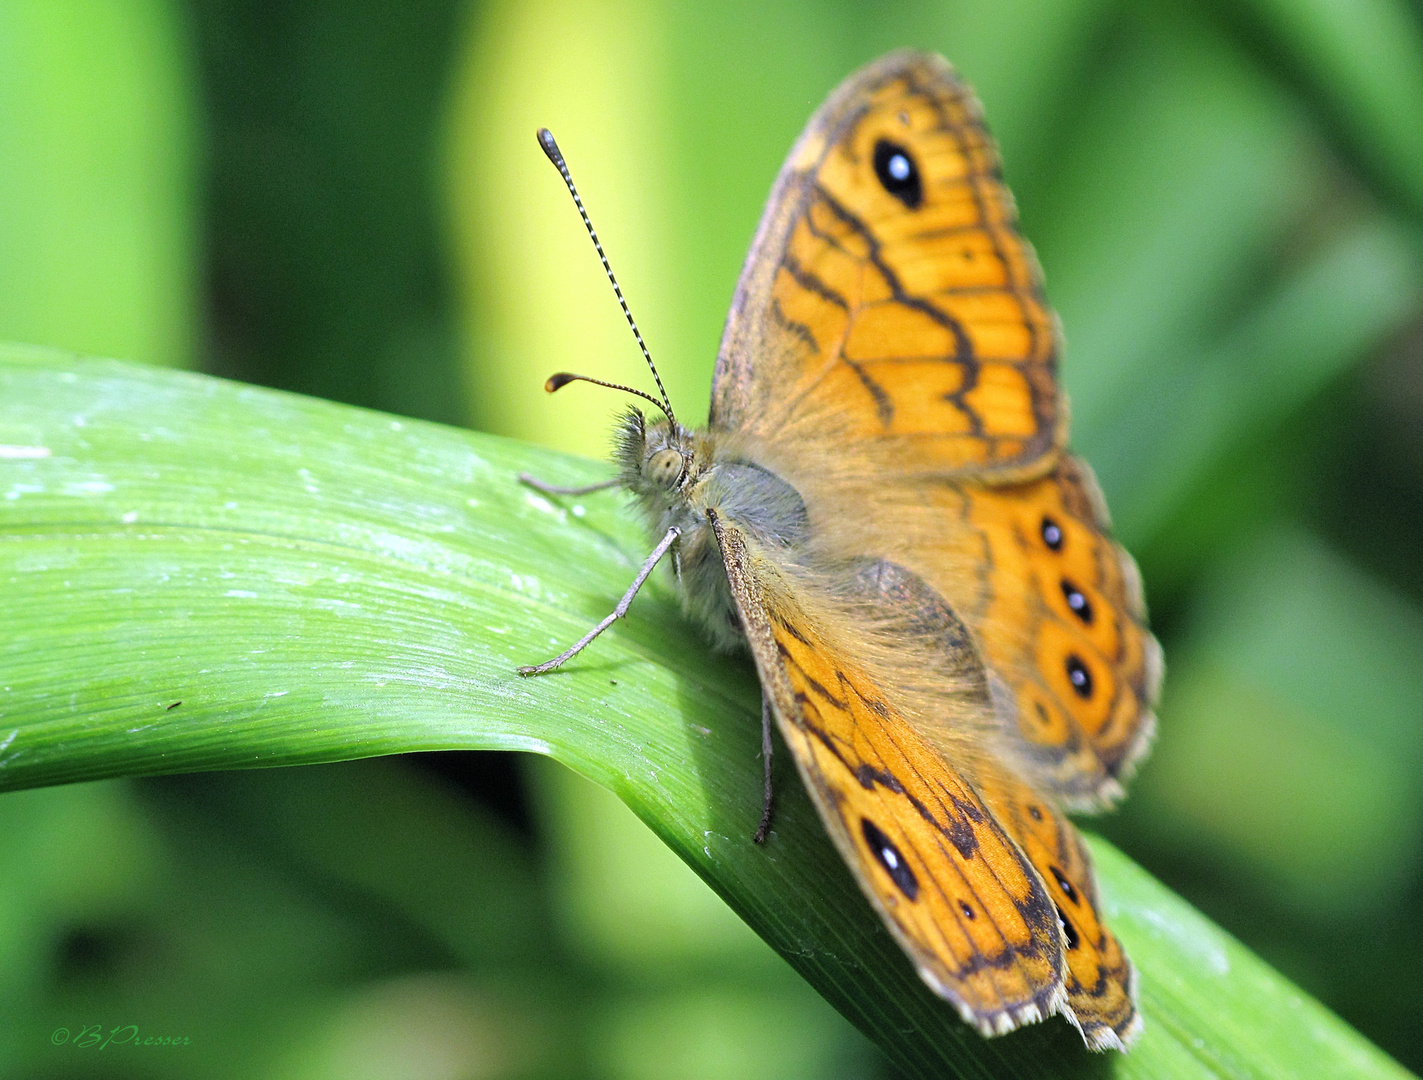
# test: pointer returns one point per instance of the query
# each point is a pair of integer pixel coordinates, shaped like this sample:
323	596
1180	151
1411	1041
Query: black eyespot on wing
898	174
1069	932
967	909
1079	676
1063	884
1052	534
890	858
1035	813
1080	605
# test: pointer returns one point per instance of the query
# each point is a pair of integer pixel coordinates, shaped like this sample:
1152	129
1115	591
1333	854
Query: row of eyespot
1077	673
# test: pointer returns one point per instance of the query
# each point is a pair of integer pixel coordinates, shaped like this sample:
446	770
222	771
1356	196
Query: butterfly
882	510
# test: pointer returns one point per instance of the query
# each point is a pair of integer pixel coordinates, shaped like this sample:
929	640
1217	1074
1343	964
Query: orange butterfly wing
889	341
890	355
1057	610
912	320
1065	632
1100	981
983	883
951	885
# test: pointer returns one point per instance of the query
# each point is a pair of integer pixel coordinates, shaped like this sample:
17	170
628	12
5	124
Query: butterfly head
657	460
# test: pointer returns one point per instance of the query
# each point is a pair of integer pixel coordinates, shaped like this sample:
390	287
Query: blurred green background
345	199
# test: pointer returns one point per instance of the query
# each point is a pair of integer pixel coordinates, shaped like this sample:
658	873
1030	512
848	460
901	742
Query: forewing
906	628
950	883
897	309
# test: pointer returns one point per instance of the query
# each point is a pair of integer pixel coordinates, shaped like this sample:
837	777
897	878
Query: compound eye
665	467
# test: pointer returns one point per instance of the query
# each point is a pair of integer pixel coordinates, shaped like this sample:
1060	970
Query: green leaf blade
315	582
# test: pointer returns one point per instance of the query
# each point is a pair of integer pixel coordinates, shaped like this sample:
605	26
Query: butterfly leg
618	612
554	489
760	835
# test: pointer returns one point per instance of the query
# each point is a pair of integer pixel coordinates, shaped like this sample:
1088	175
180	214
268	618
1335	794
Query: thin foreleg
618	612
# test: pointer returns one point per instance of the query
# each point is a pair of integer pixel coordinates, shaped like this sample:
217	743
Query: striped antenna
555	155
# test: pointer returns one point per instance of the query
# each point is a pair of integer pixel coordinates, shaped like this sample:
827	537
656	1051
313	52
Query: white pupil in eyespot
899	167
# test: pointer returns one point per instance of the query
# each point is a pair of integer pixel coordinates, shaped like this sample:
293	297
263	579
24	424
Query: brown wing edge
775	682
787	203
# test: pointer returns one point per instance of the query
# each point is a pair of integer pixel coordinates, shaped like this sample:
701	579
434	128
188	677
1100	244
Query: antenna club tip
559	381
549	147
